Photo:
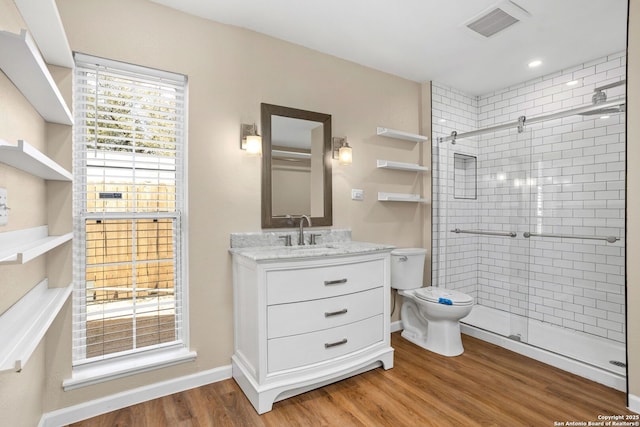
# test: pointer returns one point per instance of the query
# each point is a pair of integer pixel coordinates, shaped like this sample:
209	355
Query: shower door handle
486	233
610	239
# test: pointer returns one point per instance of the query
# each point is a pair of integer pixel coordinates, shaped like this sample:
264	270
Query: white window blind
129	145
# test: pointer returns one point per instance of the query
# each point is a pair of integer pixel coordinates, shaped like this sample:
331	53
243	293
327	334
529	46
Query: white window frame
160	355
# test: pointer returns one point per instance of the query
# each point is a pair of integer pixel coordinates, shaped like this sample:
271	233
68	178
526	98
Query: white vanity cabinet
303	322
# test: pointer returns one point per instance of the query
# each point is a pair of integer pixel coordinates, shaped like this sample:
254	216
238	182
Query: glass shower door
504	262
577	218
484	186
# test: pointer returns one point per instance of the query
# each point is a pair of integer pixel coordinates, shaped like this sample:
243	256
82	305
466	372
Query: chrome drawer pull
333	344
334	313
335	282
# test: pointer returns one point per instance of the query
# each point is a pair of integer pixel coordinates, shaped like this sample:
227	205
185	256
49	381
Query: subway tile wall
453	265
562	176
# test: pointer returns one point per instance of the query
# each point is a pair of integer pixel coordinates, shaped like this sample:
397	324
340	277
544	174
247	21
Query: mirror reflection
296	166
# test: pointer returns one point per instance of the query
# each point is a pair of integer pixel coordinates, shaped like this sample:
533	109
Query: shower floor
582	354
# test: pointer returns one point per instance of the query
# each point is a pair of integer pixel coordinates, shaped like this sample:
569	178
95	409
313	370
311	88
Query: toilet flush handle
403	258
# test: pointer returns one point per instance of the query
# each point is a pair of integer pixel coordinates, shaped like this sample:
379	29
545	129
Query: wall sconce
250	140
342	151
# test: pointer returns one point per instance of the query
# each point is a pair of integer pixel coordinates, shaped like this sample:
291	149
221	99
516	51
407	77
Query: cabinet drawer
300	350
302	284
309	316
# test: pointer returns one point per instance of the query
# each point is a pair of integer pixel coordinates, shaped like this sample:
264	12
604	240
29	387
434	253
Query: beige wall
633	202
425	157
231	71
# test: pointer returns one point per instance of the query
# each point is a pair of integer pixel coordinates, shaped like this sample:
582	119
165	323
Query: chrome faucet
301	232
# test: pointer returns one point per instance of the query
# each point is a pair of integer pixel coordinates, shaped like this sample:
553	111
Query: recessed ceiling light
573	82
535	63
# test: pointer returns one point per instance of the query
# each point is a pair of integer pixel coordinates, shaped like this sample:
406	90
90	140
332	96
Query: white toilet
430	316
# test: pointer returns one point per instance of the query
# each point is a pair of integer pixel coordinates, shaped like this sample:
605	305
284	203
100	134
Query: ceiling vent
497	18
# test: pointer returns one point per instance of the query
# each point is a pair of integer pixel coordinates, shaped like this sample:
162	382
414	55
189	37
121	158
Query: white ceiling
425	40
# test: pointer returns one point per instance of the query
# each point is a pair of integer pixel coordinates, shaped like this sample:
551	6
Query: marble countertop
267	253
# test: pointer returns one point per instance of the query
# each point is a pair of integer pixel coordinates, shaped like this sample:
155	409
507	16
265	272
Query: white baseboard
82	411
396	326
634	403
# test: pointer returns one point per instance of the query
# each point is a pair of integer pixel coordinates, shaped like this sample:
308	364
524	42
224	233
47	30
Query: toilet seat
437	295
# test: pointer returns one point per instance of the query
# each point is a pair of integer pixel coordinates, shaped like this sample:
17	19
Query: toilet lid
433	294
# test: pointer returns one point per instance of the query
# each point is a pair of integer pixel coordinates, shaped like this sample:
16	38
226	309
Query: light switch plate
357	194
4	207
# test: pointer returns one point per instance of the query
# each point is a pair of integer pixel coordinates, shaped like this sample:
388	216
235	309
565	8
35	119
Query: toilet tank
407	268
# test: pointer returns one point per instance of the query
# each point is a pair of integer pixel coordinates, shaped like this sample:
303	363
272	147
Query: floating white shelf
24	324
387	164
22	63
21	246
43	20
401	197
398	134
27	158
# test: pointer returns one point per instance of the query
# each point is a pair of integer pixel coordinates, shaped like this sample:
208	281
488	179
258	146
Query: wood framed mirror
296	166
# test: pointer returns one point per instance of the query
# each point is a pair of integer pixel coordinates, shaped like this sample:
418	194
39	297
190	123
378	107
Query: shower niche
465	176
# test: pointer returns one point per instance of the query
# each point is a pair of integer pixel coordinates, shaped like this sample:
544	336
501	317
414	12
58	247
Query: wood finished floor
486	386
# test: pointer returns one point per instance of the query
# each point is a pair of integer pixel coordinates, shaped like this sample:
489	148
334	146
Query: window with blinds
129	146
